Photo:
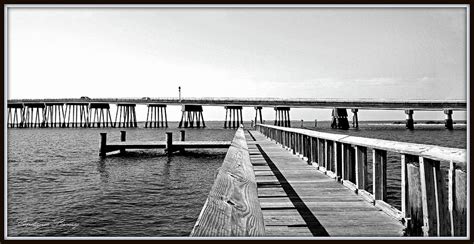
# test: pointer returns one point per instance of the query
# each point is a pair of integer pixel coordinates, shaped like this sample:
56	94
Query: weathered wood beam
232	207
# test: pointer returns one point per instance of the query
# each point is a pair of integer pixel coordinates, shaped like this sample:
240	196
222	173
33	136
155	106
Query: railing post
433	195
337	167
321	153
379	174
361	167
457	200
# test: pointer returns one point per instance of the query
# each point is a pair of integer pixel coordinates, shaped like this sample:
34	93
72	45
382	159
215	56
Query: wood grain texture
232	207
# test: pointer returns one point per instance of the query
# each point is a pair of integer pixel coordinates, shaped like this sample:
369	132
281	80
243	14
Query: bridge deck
298	200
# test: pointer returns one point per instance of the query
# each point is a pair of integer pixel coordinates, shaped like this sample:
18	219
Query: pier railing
433	178
232	207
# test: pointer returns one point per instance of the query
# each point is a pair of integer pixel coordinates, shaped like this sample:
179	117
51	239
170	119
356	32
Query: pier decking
298	200
287	182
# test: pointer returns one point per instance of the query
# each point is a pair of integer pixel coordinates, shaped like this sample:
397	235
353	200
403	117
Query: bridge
96	112
288	182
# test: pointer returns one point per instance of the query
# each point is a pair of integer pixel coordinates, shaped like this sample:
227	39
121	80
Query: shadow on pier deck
298	200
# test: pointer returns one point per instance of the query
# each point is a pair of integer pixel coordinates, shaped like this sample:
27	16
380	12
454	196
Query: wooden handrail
430	206
232	207
458	156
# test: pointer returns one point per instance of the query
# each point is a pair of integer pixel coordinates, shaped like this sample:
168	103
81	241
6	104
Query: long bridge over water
96	112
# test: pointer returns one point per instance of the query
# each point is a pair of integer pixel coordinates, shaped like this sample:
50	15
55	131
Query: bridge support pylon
77	115
156	116
99	114
258	114
282	116
54	115
191	114
34	115
355	118
410	124
448	122
235	116
15	115
126	116
339	119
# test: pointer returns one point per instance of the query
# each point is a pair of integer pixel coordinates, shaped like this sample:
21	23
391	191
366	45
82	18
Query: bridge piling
15	118
339	119
355	118
409	121
448	122
282	116
191	113
54	115
156	116
235	116
35	113
125	115
258	111
101	115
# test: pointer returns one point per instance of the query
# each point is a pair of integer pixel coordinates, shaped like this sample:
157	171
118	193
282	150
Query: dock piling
409	122
448	122
169	143
103	144
123	137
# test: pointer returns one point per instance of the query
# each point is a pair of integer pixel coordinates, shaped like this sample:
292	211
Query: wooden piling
169	143
409	121
448	122
103	144
355	118
123	137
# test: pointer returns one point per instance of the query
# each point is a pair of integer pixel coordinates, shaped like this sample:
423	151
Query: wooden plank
232	207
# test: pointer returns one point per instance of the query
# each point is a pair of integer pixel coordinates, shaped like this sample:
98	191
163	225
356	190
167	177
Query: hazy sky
390	53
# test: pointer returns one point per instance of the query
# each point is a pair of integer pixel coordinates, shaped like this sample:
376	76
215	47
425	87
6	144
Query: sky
345	53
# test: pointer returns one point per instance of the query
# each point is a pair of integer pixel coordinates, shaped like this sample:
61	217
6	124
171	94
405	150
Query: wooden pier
169	145
304	183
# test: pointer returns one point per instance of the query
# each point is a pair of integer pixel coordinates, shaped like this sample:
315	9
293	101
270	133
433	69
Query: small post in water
123	136
301	123
103	144
183	138
169	142
315	123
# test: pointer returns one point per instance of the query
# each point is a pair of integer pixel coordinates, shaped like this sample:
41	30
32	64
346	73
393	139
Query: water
58	185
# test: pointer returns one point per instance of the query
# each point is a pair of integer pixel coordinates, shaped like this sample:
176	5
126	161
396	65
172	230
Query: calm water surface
59	186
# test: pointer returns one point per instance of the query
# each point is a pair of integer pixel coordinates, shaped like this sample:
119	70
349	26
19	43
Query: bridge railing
232	207
433	178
